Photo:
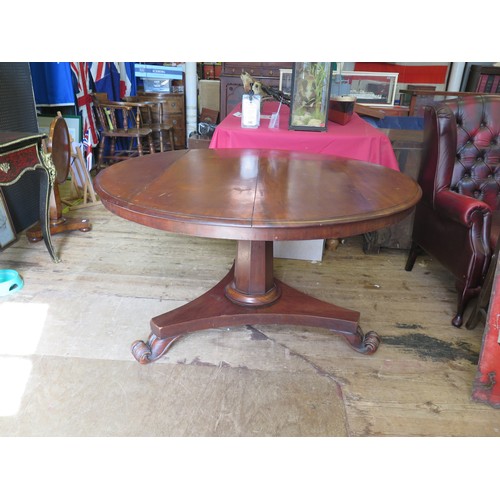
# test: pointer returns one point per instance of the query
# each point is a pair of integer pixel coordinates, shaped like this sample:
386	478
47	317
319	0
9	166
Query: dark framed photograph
286	81
7	232
311	83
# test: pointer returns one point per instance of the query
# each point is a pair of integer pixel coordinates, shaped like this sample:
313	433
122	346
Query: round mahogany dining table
255	197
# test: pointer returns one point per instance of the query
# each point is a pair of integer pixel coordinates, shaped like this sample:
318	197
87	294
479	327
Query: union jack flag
87	148
98	70
116	79
84	99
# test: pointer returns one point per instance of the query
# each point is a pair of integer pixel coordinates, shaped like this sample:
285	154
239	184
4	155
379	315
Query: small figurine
258	88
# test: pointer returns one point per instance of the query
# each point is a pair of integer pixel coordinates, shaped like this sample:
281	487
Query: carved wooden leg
464	296
139	146
58	223
161	140
172	139
44	214
364	343
100	161
153	349
151	143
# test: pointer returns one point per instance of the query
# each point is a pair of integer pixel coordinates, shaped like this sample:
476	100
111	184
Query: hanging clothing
52	83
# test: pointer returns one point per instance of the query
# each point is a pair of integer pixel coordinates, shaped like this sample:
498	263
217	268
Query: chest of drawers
231	86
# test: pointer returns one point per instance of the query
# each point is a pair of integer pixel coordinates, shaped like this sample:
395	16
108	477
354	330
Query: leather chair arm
460	208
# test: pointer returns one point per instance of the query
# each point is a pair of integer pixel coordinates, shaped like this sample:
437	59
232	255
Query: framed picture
310	96
378	89
74	124
286	81
7	231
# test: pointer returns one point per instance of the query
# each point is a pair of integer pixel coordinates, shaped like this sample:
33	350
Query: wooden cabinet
231	86
174	112
392	110
21	152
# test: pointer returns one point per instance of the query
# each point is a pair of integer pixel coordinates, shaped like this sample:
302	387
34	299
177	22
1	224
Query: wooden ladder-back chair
154	117
122	131
59	147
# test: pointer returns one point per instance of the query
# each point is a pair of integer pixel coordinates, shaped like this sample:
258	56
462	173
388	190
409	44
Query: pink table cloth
357	139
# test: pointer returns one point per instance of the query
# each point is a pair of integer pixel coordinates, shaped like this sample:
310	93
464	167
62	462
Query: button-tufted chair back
460	180
463	138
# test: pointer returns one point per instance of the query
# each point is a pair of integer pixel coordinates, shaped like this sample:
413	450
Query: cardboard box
300	250
209	94
197	141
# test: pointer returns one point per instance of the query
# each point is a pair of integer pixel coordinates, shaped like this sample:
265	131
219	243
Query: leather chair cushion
476	172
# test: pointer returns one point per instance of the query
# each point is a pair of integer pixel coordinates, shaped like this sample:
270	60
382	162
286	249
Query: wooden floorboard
77	319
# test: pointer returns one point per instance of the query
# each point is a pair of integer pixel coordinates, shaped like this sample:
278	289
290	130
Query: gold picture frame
8	234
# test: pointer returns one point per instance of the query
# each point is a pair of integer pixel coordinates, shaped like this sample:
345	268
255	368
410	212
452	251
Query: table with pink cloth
357	139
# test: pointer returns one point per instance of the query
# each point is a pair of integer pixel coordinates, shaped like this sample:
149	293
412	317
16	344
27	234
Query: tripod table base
214	309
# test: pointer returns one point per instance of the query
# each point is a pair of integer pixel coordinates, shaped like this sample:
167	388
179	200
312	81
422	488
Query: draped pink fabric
357	139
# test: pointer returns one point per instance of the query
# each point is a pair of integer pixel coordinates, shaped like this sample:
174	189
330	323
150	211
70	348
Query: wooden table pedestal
250	294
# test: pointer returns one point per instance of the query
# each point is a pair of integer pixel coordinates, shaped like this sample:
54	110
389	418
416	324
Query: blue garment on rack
52	84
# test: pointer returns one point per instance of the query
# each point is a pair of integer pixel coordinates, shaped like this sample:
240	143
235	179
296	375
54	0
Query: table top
357	139
10	140
261	195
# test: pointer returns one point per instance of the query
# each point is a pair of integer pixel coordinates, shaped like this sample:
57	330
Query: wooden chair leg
415	251
480	309
465	294
161	141
100	162
151	143
172	139
112	147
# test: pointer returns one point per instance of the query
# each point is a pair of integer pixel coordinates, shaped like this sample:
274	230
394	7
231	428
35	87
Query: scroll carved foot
364	343
153	349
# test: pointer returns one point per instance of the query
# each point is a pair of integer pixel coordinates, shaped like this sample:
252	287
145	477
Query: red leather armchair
457	220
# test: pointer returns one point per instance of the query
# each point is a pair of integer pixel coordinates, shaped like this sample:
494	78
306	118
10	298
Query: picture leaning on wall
7	232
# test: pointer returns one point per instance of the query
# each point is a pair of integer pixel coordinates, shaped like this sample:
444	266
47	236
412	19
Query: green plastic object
10	282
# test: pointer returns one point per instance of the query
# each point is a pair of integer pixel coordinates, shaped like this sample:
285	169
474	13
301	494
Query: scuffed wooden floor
65	342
